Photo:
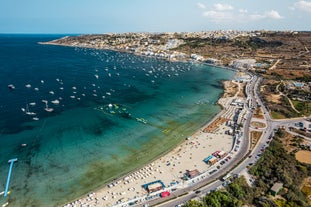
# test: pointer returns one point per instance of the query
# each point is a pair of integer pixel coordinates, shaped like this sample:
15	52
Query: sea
113	112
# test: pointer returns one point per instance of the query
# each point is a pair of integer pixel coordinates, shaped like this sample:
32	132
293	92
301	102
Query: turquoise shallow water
78	148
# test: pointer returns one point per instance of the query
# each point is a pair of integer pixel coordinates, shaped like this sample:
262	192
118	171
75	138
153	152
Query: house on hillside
276	188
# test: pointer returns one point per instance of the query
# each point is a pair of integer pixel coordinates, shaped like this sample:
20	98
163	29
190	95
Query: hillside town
158	45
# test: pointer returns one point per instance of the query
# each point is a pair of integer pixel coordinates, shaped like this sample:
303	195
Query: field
304	156
258	124
258	113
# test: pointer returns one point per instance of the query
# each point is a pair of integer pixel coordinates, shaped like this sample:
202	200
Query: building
192	173
212	161
243	63
215	154
154	187
206	160
276	188
222	154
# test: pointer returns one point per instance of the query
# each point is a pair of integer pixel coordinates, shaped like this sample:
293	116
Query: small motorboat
11	86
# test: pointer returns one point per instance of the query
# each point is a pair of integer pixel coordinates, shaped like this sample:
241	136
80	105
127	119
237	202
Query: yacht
47	109
11	86
28	112
28	86
56	102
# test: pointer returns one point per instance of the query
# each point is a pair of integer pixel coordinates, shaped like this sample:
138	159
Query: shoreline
88	196
159	157
184	60
162	156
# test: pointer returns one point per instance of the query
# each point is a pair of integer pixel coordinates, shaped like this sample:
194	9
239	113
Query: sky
117	16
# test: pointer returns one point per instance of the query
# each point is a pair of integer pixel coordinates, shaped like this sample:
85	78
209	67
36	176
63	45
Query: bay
116	112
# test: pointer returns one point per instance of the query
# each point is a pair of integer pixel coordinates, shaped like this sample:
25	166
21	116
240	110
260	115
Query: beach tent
165	194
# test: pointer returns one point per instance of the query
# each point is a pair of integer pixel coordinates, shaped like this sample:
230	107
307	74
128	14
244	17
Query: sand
171	167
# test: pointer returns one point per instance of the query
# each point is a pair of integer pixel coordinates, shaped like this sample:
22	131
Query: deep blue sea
113	112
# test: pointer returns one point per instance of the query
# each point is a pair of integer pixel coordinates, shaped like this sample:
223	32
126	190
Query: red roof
165	194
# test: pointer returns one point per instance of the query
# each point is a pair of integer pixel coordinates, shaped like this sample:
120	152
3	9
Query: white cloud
302	5
255	17
225	13
243	11
201	5
217	16
273	15
223	7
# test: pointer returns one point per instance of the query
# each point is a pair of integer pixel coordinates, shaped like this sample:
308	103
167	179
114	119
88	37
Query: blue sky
102	16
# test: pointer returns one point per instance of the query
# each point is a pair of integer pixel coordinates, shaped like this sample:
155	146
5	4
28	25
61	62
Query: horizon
98	17
152	32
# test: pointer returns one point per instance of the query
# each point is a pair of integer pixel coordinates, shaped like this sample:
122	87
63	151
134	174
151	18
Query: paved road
237	164
211	182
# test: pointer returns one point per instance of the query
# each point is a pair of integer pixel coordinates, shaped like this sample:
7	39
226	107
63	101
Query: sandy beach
171	167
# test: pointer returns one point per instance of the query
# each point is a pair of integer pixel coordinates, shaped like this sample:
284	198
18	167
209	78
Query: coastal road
240	159
211	182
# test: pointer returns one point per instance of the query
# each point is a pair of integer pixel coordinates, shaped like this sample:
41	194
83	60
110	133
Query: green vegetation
276	165
277	115
303	107
304	78
281	111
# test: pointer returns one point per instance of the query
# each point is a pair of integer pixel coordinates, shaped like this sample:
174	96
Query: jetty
11	162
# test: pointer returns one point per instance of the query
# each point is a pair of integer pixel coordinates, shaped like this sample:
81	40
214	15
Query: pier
11	161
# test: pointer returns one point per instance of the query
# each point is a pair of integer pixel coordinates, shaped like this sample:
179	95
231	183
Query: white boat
32	104
96	76
29	112
28	86
11	86
51	92
35	118
56	102
36	89
74	88
47	109
42	81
